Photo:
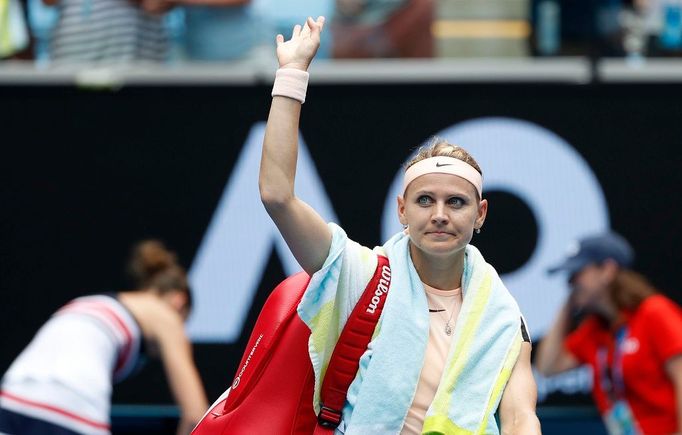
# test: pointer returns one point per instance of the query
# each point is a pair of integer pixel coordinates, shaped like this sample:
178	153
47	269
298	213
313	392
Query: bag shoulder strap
352	343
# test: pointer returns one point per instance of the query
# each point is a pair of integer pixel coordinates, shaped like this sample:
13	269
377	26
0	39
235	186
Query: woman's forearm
280	151
280	145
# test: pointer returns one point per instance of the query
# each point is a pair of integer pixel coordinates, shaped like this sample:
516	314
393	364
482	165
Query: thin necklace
448	328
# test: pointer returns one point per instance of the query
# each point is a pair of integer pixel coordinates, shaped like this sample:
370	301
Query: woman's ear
401	210
482	213
177	300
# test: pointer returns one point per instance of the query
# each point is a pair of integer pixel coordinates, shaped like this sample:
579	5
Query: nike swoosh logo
438	165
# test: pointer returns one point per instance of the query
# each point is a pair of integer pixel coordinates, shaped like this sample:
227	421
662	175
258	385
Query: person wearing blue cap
630	334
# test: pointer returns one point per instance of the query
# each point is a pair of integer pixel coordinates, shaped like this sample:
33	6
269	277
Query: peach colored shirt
435	356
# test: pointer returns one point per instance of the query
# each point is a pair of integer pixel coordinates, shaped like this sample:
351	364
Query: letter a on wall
236	246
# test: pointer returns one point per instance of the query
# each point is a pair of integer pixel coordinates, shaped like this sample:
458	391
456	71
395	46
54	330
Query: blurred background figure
592	27
122	32
62	382
382	28
226	30
629	333
42	19
663	24
14	36
109	31
131	31
281	16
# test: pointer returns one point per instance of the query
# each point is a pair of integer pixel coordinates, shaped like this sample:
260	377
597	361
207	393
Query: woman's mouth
439	233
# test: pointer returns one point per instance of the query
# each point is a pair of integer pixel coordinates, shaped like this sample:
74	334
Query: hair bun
148	258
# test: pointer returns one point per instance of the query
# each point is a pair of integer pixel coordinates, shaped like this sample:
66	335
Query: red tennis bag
272	392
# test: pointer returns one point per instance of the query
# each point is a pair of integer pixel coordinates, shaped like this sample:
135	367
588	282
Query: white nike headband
444	165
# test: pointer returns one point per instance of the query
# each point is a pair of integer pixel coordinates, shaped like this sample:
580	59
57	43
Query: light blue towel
485	346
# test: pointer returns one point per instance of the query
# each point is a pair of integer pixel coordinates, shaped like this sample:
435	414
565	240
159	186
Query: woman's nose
439	214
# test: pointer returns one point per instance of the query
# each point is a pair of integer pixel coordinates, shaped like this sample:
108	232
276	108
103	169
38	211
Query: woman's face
589	286
441	212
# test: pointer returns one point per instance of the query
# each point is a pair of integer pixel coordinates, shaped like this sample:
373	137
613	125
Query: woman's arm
164	328
304	230
552	357
674	369
517	407
183	377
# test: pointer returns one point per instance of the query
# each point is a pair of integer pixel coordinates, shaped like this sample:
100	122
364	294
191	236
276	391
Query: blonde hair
440	147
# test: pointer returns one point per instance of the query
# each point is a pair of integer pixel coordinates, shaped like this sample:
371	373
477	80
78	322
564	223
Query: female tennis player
450	349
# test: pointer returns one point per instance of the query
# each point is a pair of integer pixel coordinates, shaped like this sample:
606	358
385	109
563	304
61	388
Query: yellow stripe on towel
502	379
463	345
441	424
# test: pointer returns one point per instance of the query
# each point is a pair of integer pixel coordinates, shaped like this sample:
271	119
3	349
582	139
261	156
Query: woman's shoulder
657	305
152	313
341	242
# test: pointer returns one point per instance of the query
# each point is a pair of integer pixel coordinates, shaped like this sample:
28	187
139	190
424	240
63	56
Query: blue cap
596	249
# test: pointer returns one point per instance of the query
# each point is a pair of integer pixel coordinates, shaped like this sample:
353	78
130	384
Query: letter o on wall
552	179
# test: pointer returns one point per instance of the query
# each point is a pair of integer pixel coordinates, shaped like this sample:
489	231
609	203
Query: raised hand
300	50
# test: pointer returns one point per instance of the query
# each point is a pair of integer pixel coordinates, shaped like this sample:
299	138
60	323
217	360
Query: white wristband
291	83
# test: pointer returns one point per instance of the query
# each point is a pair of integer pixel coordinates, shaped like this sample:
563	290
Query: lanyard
611	377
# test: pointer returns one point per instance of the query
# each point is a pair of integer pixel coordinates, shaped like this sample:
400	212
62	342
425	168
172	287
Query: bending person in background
62	382
631	336
450	346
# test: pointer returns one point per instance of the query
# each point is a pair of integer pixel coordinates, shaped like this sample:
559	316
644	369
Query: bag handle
352	343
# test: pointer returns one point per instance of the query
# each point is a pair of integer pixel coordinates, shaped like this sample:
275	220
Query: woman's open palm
300	50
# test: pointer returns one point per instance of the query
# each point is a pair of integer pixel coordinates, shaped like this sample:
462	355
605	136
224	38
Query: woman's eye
423	200
457	202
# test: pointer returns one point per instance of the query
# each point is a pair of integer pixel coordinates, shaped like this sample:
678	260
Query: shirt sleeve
664	322
524	331
334	290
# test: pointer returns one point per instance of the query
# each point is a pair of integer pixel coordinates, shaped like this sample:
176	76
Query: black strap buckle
329	418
